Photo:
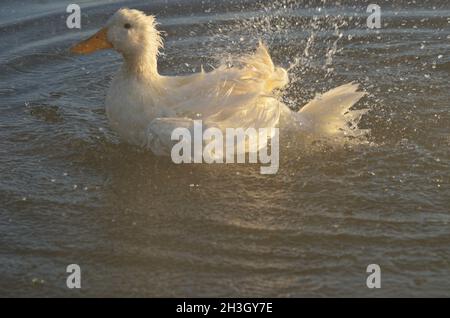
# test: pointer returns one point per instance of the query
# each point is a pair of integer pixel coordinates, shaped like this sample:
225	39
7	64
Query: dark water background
139	225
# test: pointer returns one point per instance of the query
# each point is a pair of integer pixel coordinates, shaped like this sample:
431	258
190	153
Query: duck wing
226	88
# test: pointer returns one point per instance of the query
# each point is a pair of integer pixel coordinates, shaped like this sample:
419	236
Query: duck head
130	32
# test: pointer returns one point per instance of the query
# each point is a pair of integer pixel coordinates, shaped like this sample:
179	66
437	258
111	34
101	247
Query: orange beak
98	41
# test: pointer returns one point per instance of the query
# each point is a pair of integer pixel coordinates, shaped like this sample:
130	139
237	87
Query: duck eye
127	26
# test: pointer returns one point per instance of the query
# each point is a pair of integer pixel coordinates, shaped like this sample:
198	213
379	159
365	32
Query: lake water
139	225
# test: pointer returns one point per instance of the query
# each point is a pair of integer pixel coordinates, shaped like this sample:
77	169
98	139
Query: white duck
144	107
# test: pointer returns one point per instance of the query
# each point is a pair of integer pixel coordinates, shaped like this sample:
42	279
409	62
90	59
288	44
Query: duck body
131	104
142	106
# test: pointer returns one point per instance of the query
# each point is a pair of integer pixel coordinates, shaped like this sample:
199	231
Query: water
139	225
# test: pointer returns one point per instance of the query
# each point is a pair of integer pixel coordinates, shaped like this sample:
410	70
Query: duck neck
143	66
